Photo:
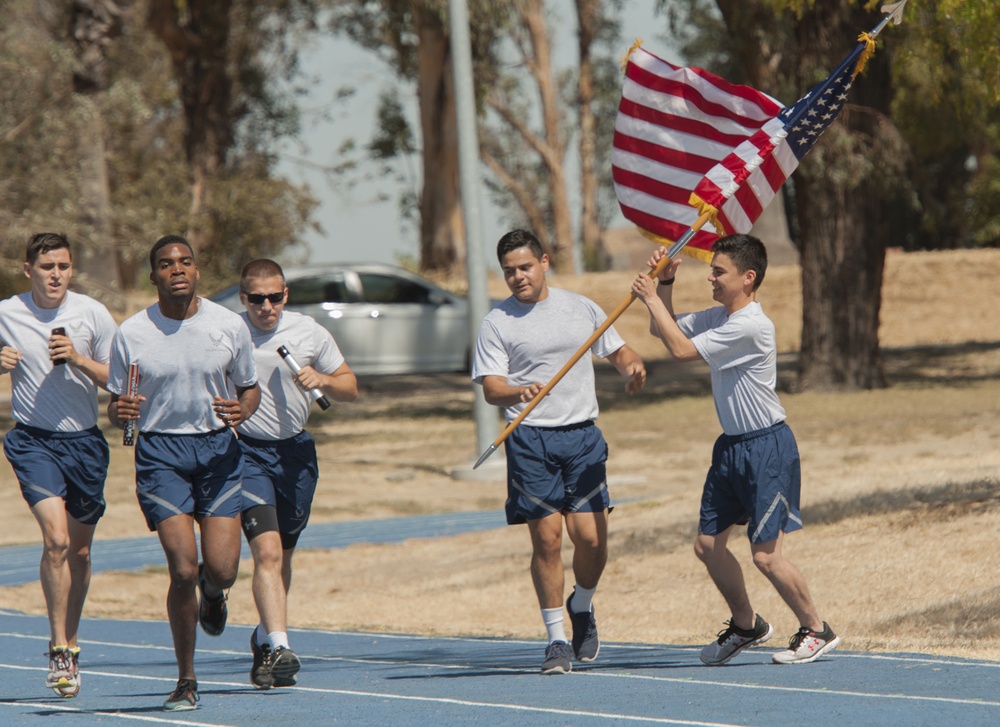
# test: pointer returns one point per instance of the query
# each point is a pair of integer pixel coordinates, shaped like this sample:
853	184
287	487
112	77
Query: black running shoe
212	614
586	644
285	667
260	672
184	697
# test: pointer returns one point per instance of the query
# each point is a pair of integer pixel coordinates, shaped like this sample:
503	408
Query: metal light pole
486	418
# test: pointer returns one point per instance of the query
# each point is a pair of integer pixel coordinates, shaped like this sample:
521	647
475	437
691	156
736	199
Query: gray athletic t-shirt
531	342
49	397
742	354
183	365
284	406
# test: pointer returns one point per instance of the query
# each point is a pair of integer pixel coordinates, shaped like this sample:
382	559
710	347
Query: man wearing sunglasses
280	468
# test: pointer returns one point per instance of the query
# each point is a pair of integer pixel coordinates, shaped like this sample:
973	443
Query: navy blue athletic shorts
70	465
555	469
193	474
754	480
281	474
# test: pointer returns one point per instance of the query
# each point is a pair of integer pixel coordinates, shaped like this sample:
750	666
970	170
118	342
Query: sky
364	223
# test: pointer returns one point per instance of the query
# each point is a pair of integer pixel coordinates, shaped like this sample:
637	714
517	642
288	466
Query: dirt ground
900	490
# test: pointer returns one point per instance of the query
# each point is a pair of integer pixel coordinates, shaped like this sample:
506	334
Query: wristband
667	282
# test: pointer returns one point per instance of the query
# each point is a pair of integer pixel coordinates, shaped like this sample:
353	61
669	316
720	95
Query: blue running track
382	679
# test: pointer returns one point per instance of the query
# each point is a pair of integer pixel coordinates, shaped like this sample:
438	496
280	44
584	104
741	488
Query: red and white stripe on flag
675	125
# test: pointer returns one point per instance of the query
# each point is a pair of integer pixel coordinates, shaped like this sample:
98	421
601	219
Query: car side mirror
438	298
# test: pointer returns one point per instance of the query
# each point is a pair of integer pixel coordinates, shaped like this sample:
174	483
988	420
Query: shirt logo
217	341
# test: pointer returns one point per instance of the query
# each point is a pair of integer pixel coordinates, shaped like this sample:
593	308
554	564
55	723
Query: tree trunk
197	37
588	15
842	257
553	150
93	24
442	234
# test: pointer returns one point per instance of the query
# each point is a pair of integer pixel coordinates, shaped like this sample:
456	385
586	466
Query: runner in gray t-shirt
754	478
280	467
55	347
191	353
556	457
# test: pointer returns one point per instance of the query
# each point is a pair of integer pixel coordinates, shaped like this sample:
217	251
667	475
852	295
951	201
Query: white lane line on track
592	673
356	693
35	706
796	690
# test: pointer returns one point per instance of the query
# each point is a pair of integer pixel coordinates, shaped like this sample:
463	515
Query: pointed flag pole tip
485	456
894	11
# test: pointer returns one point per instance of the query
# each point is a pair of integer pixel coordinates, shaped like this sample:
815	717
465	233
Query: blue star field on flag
810	116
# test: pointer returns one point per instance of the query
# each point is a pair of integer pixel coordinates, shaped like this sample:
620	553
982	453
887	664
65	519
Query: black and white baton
316	394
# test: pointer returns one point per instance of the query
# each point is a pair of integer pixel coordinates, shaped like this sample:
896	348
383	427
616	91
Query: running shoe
808	645
184	697
285	667
60	674
586	645
558	657
212	614
732	640
260	672
77	678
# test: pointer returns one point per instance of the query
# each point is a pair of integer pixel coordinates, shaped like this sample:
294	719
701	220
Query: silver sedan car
385	320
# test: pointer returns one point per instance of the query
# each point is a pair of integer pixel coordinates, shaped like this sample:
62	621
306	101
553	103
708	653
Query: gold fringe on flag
867	53
628	53
704	207
704	255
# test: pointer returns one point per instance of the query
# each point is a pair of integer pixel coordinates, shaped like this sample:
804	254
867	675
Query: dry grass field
901	490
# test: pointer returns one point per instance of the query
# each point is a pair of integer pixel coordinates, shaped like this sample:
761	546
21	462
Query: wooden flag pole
609	321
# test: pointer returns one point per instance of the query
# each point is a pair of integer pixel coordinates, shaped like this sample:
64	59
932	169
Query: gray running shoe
586	644
558	658
808	645
285	667
184	697
732	640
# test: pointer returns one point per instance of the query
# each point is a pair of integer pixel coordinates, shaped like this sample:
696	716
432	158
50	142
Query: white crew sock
278	638
553	618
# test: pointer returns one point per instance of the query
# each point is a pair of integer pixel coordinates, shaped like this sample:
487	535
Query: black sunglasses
259	298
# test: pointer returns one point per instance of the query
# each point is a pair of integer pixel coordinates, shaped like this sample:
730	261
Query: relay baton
131	389
316	394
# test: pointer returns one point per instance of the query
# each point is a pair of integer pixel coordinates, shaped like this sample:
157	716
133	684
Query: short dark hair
162	243
747	252
260	268
516	239
43	242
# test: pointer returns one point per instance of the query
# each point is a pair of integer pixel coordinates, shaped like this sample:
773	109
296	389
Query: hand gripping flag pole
609	321
752	144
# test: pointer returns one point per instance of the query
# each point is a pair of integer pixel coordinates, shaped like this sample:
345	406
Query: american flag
687	141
